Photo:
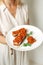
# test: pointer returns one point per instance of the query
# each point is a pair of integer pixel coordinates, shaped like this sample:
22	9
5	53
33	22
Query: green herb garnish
30	33
26	44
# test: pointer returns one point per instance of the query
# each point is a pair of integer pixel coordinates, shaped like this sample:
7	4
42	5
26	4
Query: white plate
37	34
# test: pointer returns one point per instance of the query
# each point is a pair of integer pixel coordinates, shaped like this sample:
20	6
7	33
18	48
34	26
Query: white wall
36	18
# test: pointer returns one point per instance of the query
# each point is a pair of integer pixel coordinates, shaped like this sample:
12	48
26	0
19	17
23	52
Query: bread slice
15	33
31	40
20	37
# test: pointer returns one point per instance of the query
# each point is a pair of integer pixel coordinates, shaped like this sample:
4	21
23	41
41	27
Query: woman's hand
2	39
27	23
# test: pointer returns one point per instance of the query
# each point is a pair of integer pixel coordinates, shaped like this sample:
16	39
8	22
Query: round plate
37	34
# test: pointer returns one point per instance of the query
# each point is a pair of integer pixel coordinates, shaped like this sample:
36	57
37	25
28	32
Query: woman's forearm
2	39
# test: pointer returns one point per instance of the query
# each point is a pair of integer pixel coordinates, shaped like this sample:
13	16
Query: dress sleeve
0	21
1	26
26	13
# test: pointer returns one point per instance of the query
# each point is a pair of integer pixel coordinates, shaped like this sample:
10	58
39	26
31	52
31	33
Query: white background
36	18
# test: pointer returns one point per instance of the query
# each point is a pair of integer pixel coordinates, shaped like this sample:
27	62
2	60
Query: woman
12	13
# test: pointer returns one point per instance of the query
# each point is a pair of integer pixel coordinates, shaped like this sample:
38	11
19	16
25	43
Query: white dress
7	21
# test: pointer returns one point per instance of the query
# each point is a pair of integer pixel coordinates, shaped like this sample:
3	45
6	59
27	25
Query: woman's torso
8	21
